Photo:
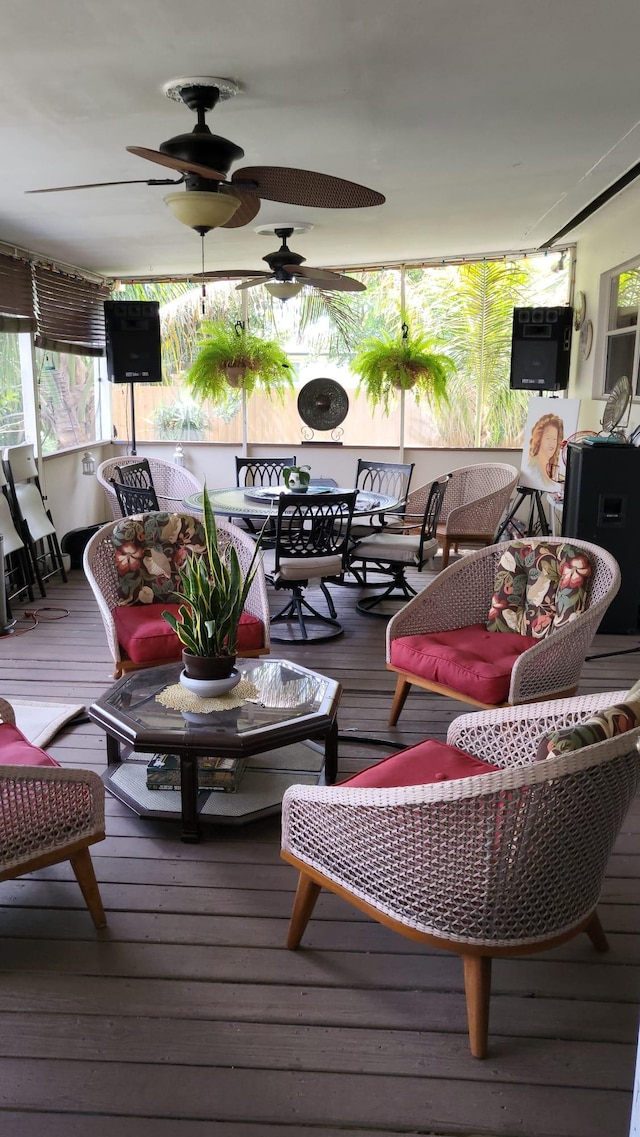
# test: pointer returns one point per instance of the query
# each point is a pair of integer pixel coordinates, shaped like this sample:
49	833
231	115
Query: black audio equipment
540	349
132	329
602	505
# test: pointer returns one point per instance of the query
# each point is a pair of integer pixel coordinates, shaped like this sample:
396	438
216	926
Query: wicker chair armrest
354	835
7	713
47	808
257	602
459	596
100	571
555	663
456	859
479	515
509	736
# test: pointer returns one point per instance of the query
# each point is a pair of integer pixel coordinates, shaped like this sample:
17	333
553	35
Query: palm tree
11	416
475	313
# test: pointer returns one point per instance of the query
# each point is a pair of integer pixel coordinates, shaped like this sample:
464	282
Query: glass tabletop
285	693
236	502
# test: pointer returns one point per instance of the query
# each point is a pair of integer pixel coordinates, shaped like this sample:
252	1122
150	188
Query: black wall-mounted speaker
602	505
132	333
540	349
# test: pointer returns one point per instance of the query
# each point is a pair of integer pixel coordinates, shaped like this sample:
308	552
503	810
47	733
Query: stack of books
163	773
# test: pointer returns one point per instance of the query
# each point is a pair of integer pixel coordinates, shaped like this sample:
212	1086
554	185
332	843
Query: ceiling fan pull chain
203	296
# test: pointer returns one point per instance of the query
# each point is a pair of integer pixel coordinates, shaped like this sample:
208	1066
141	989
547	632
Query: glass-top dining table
262	501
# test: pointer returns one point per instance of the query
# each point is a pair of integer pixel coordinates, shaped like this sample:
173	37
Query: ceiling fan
287	276
203	159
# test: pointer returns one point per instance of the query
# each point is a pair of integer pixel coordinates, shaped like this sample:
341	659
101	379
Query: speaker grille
540	349
133	341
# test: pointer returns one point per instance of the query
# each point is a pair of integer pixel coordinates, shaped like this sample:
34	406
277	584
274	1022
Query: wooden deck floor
187	1017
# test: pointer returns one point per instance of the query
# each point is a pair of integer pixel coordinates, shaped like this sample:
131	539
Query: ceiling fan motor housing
200	145
204	148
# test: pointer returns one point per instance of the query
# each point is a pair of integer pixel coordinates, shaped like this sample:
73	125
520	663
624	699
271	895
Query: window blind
16	295
69	313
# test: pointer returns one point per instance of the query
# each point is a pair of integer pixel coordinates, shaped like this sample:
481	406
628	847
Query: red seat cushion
16	750
471	660
427	762
144	636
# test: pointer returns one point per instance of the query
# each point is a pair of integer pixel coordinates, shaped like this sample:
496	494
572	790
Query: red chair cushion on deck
16	750
471	660
427	762
144	636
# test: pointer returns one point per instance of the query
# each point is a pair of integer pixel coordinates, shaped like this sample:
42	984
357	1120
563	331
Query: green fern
386	365
264	363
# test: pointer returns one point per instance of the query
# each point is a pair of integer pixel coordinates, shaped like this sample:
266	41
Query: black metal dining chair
135	474
311	543
408	543
252	472
261	471
135	499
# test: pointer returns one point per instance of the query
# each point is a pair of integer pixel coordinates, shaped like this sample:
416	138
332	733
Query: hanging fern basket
386	365
235	376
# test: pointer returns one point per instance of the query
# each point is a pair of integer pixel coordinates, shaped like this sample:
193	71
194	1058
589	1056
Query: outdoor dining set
366	536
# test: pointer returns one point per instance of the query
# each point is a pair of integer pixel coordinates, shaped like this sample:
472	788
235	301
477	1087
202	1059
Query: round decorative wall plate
586	339
579	310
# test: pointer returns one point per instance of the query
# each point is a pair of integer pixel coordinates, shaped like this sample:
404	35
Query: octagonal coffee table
294	706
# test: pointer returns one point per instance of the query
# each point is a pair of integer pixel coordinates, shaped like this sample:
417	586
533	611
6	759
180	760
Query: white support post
402	391
245	411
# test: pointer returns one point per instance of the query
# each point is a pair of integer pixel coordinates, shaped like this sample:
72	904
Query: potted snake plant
212	595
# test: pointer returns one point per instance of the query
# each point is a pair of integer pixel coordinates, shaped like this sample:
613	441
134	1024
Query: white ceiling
486	125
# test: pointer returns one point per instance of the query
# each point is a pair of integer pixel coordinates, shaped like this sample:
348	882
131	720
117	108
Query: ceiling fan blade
324	278
304	187
304	270
318	274
338	284
100	185
249	206
254	282
176	163
236	274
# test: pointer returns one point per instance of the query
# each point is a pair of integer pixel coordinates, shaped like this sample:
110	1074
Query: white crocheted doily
177	698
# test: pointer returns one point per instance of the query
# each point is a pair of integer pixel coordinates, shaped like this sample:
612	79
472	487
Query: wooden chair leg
307	893
399	699
445	552
477	985
596	933
82	866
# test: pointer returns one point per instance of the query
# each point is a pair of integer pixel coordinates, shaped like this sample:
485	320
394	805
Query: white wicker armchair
49	814
475	500
498	864
172	483
100	569
460	596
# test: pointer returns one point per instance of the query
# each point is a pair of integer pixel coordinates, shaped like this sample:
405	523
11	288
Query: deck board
187	1017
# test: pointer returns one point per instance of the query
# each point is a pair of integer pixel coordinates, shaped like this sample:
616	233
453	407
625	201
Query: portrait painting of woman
548	423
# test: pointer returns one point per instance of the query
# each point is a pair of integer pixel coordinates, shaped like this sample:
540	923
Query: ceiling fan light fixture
202	210
284	289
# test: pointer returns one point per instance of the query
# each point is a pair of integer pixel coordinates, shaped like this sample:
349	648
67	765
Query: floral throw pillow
606	724
574	572
538	588
149	551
